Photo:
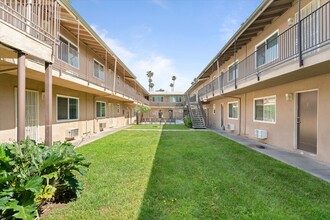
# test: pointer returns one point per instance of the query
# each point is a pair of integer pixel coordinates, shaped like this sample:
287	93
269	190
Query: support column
48	104
21	97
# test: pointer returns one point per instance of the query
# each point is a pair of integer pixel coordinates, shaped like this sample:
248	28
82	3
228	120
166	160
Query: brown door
307	121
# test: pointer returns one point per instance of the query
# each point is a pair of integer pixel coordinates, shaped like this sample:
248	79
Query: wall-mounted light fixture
290	22
288	96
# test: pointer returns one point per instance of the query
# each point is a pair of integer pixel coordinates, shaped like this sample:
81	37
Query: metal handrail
316	35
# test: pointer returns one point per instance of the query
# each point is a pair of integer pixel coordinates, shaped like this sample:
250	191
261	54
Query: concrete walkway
93	137
299	161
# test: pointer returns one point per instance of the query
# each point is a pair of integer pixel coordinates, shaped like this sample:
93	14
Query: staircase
196	114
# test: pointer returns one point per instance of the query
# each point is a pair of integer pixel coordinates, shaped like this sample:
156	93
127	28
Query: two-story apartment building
58	79
271	80
168	106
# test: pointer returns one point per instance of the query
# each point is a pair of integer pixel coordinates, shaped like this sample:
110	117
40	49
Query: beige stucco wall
283	132
87	122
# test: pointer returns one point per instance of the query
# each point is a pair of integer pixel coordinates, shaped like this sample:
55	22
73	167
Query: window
213	109
267	51
68	52
175	99
265	109
233	110
118	108
158	99
98	70
233	71
67	108
100	109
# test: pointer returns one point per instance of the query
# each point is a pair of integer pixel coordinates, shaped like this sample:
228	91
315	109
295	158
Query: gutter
261	8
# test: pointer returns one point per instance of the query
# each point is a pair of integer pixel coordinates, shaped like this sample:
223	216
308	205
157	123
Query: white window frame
254	109
229	108
105	109
265	42
179	97
78	112
118	108
161	97
237	70
100	64
70	43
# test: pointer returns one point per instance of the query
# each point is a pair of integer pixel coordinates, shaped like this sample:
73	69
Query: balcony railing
315	34
169	104
36	18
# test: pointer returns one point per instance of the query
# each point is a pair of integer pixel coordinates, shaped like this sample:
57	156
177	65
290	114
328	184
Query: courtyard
171	172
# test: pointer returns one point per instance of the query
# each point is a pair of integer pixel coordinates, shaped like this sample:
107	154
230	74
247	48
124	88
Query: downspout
235	64
301	61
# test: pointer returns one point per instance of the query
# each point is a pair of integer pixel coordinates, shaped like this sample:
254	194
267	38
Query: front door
307	122
31	114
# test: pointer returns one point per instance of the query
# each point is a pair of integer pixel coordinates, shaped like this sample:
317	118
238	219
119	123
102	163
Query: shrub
187	122
32	174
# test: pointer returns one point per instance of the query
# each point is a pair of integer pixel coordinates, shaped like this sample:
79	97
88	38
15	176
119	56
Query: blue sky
168	37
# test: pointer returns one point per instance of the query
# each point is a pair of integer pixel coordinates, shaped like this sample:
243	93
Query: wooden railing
37	18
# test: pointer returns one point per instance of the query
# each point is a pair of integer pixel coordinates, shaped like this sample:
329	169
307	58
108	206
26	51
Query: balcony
166	104
315	36
30	26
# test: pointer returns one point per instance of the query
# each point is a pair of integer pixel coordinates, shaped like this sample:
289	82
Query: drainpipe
235	64
21	97
48	104
301	61
114	77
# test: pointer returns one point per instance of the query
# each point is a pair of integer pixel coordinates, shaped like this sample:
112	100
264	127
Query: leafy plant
32	174
187	121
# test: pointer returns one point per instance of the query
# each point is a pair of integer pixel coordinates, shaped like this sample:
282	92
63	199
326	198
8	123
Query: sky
169	37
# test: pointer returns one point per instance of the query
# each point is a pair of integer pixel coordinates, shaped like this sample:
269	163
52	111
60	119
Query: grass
191	175
158	126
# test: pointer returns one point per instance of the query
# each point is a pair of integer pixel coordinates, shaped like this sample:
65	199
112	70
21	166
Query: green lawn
149	174
158	126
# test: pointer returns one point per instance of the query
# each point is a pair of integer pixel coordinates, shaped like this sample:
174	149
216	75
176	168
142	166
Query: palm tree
173	79
172	86
150	74
151	86
194	81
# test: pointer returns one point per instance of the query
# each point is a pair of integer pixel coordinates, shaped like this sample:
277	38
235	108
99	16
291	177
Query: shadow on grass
206	176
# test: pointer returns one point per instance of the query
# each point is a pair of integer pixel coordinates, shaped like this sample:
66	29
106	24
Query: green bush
187	122
33	174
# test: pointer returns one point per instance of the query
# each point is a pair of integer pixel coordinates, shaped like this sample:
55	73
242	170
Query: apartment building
271	80
58	79
168	106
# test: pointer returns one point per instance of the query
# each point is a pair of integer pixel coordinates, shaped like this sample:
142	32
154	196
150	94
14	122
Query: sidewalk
299	161
93	137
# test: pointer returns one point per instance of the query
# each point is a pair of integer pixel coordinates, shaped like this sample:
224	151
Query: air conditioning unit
260	134
71	133
102	126
230	127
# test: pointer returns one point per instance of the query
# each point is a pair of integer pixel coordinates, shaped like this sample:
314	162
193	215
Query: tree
140	110
172	86
150	74
151	86
173	79
194	81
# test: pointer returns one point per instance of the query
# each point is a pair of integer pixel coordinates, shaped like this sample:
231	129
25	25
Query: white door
31	114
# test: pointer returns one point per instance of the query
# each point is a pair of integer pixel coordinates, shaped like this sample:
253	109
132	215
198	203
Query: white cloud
228	29
163	67
160	3
115	45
